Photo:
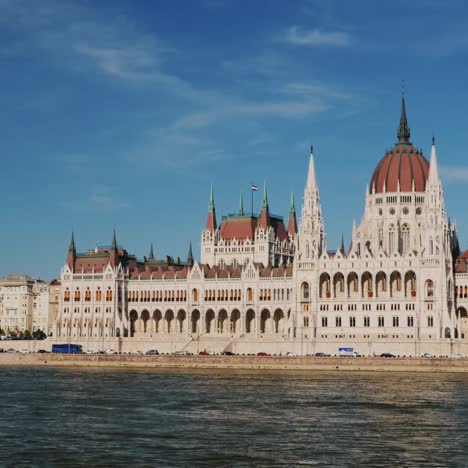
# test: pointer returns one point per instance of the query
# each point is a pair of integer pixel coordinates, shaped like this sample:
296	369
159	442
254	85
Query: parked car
203	353
291	354
42	351
456	356
11	350
181	352
152	352
228	353
427	355
262	353
387	355
111	351
321	354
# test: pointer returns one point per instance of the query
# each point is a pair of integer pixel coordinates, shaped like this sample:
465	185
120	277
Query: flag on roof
254	187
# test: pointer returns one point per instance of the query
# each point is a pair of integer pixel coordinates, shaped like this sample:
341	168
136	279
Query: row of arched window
87	295
461	292
87	310
219	295
340	288
157	296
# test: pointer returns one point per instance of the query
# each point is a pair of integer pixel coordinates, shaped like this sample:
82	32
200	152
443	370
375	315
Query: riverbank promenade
305	363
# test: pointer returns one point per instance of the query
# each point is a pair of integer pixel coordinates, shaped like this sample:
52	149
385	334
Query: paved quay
240	362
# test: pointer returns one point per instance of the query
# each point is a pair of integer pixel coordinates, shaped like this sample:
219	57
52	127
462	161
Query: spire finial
190	255
403	130
151	254
114	241
72	247
292	209
433	140
211	206
342	249
241	206
265	196
311	149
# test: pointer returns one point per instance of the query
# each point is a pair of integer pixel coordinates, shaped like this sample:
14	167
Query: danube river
96	417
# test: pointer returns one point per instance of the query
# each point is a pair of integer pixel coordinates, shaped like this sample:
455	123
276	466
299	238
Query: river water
95	417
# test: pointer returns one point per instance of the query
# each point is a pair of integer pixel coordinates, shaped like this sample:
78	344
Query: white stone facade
16	303
394	290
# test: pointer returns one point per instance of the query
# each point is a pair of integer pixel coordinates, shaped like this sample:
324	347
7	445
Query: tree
25	335
39	335
2	332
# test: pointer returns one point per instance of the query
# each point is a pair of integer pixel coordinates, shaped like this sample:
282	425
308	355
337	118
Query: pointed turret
292	223
403	130
433	178
264	221
114	241
311	180
71	247
211	218
71	257
311	230
113	251
342	249
241	206
151	253
190	256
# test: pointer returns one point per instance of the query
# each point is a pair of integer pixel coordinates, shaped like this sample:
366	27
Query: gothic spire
211	206
264	220
72	247
342	249
311	180
433	178
292	223
114	241
241	206
292	208
265	197
190	256
211	218
151	253
403	130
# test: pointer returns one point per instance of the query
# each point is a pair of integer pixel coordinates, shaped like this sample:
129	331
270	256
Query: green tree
2	332
39	335
26	335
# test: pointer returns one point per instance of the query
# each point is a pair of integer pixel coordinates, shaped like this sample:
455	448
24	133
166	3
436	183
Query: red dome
403	165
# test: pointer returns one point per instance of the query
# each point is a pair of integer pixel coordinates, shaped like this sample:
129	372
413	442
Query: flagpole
251	192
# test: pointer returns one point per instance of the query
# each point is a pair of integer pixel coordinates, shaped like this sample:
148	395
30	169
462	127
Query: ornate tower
311	232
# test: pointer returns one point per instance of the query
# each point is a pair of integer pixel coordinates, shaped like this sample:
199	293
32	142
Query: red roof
238	228
241	228
403	165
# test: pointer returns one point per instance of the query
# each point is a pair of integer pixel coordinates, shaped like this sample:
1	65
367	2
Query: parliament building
265	285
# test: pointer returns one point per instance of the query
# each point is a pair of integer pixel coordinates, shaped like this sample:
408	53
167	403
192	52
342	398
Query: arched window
249	294
305	290
77	295
195	295
405	239
429	288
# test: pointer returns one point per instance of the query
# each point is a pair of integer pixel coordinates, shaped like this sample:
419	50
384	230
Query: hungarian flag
254	187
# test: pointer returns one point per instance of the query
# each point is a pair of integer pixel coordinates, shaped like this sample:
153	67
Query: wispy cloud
454	174
101	200
298	35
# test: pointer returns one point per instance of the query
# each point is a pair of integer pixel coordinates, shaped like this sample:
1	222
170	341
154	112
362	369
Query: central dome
403	168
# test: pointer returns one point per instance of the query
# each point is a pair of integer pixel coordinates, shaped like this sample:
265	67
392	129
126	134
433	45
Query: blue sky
122	113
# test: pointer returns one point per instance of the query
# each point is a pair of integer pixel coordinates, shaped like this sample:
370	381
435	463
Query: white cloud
315	37
100	199
454	174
